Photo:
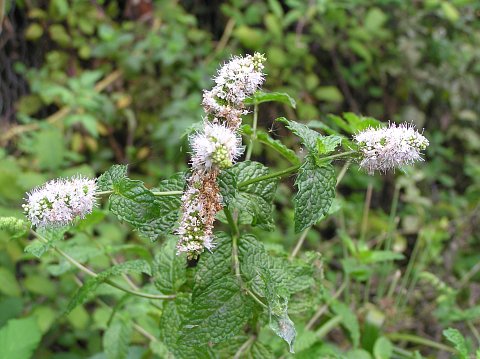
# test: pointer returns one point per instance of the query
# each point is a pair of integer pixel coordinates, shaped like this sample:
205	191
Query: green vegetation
313	255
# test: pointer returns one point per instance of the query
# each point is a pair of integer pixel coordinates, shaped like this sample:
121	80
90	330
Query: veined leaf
308	136
316	190
349	320
261	97
169	268
457	339
255	200
106	181
217	313
117	337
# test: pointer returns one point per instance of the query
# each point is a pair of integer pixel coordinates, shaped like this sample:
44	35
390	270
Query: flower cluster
393	146
216	147
60	201
236	80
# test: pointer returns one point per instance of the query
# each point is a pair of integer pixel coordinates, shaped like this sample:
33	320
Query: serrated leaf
255	200
169	268
349	320
253	256
328	144
133	203
83	293
19	338
227	182
308	136
457	339
214	265
277	300
316	190
117	337
173	315
261	97
216	314
106	181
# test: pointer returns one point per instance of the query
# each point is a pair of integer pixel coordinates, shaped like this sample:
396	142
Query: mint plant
213	286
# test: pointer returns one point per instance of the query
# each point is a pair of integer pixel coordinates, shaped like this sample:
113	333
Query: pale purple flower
215	146
390	147
60	201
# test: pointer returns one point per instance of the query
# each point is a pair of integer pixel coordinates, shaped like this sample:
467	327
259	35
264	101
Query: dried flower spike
60	201
393	146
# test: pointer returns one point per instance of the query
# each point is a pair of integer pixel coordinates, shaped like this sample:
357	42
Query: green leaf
316	190
217	314
349	320
106	181
372	256
457	339
214	265
174	312
260	351
133	203
117	337
19	338
329	94
227	182
278	146
9	284
15	227
253	256
308	136
261	97
169	268
277	300
83	293
255	200
328	144
383	348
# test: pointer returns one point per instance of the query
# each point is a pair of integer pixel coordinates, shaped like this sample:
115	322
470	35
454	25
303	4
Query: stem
91	273
254	133
156	193
328	326
299	243
289	170
419	340
269	176
363	232
244	347
324	307
387	266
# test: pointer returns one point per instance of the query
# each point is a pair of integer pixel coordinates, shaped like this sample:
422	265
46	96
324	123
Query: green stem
253	137
328	326
156	193
419	340
289	170
299	243
91	273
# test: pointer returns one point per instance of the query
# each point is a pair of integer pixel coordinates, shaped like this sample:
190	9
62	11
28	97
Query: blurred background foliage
84	84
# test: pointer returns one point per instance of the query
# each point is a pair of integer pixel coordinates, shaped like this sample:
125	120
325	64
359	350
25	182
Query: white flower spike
235	81
60	201
216	146
393	146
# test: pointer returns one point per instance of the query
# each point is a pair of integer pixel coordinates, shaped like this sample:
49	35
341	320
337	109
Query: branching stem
91	273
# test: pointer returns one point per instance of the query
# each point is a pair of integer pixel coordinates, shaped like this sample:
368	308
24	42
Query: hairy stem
91	273
253	137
